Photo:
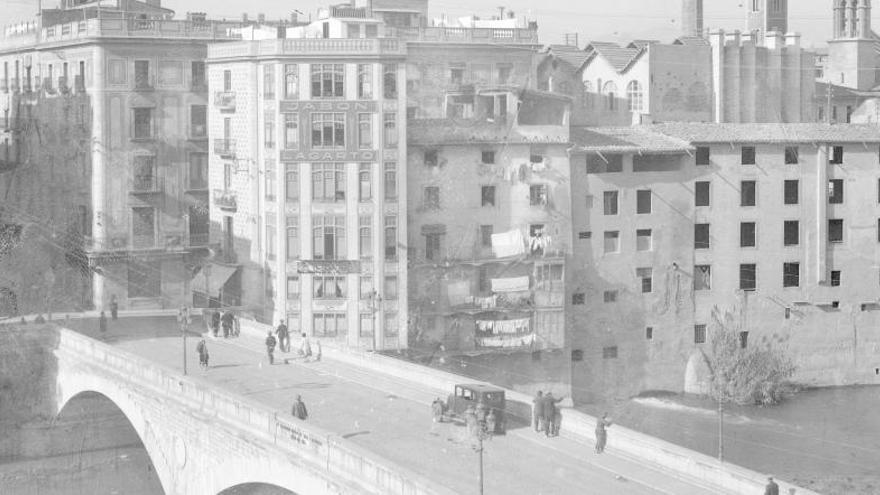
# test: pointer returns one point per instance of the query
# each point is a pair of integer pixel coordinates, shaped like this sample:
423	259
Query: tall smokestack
692	17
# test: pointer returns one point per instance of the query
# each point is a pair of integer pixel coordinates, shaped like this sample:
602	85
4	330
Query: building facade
308	175
110	135
777	224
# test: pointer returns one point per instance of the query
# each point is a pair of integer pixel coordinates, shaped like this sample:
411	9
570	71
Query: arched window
610	92
634	96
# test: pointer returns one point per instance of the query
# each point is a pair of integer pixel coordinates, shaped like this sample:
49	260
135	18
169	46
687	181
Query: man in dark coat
601	435
226	321
114	308
550	413
202	349
772	488
215	323
283	337
102	323
270	347
538	410
299	410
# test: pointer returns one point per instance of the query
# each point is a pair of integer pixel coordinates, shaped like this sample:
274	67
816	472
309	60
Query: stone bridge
203	440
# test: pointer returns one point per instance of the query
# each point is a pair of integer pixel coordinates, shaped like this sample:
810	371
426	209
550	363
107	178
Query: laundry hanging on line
510	243
512	284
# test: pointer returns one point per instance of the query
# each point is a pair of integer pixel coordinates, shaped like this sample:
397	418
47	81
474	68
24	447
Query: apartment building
778	224
105	111
308	175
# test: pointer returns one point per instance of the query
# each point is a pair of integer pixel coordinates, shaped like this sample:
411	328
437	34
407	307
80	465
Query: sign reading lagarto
329	156
333	266
288	106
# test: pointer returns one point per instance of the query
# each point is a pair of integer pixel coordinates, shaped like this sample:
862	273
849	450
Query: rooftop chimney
261	18
244	18
294	18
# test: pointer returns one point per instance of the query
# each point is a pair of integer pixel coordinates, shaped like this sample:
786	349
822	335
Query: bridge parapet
334	459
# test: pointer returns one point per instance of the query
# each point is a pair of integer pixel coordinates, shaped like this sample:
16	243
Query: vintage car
473	395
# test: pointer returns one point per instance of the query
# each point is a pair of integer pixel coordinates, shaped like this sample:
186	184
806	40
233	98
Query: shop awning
214	281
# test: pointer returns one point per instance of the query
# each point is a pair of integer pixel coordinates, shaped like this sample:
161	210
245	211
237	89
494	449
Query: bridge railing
336	457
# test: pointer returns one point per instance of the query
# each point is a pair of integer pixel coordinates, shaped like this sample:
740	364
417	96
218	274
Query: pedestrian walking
236	325
283	337
270	347
215	323
202	349
550	413
772	488
491	422
470	421
102	323
318	350
305	347
114	307
437	410
538	411
602	424
299	410
226	323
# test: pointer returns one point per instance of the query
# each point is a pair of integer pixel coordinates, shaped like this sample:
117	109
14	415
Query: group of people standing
546	416
283	341
227	321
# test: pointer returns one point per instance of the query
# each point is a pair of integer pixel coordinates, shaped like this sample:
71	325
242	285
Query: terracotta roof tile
625	140
770	133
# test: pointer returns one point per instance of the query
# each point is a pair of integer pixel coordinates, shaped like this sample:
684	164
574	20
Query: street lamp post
482	434
183	319
375	300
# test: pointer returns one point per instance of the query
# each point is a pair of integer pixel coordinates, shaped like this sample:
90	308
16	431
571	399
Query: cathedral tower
852	59
764	16
692	17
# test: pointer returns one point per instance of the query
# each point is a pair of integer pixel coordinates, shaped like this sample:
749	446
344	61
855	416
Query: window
649	333
536	154
291	131
269	132
610	202
835	230
227	176
198	171
634	96
610	92
390	287
791	192
291	81
748	193
270	175
747	237
328	81
748	155
835	191
328	241
328	182
748	276
456	73
291	185
329	286
791	232
643	201
432	198
141	74
792	155
389	81
270	236
647	278
365	131
612	242
609	352
486	232
837	155
703	155
585	235
365	183
430	158
391	325
198	121
366	325
329	324
391	237
488	157
433	246
701	193
293	290
578	299
227	80
365	234
538	194
143	227
391	181
699	334
328	130
366	289
143	123
292	228
644	240
365	81
702	277
502	72
144	173
487	195
835	278
878	230
268	82
701	236
791	274
609	296
390	127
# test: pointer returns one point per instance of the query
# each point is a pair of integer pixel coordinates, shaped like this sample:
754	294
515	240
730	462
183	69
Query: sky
618	20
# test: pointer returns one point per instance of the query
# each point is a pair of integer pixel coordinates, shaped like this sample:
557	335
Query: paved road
387	415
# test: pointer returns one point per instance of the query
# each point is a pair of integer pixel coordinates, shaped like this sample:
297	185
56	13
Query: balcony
225	100
145	184
225	200
199	239
468	35
225	148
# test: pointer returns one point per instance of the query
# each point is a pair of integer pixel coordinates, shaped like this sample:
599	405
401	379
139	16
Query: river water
827	440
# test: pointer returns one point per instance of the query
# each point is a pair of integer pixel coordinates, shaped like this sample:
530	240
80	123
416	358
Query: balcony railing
467	35
224	100
224	147
225	200
144	241
199	239
145	184
47	85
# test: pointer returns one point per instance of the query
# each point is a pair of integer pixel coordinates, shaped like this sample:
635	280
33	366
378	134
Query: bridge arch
256	489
